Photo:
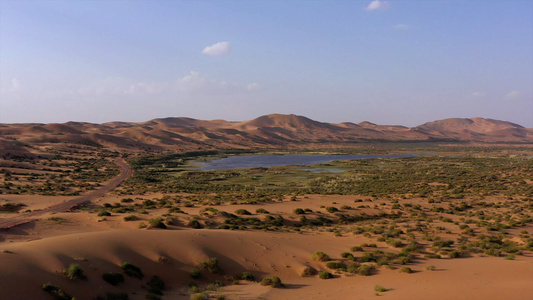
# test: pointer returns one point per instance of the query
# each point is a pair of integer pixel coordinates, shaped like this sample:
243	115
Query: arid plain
121	211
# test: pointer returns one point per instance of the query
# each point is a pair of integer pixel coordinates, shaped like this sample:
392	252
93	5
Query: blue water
254	161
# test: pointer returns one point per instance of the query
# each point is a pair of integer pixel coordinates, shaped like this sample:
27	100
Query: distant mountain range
273	131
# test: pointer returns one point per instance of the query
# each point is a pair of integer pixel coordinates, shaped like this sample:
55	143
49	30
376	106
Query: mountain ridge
268	131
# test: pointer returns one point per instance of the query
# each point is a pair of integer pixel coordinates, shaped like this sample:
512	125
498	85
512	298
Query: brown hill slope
270	131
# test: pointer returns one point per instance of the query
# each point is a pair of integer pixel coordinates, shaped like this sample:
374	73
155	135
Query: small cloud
252	86
218	49
15	83
402	26
478	94
378	5
513	95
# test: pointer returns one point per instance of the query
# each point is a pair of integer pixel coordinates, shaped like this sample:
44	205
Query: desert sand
64	203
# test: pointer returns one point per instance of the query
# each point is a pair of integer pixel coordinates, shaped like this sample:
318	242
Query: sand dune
173	254
270	131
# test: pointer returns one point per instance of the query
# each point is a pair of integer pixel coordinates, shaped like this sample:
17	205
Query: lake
255	161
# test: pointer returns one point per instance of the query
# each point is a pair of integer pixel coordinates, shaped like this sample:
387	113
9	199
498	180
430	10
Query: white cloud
513	95
378	5
218	49
252	86
402	26
196	83
15	83
478	94
142	88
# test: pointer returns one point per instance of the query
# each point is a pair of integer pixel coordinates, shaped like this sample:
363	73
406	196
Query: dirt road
18	219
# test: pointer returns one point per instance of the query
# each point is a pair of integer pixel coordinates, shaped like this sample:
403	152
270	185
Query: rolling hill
269	131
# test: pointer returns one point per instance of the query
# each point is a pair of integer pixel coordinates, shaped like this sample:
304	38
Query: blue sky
387	62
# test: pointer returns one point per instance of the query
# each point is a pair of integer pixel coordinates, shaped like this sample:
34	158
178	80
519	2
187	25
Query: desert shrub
325	275
308	271
113	278
200	296
379	288
211	265
156	284
406	270
454	254
117	296
126	200
320	256
56	292
132	270
365	270
357	248
74	271
331	209
335	265
196	274
510	257
142	225
430	268
261	211
242	211
130	218
157	223
493	252
175	210
104	213
247	276
347	255
273	281
369	257
395	243
442	243
299	211
195	224
152	296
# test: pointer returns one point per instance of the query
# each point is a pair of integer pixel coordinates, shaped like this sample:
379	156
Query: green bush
242	212
195	224
261	211
113	278
308	271
273	281
406	270
56	292
196	274
157	223
247	276
74	271
211	265
365	270
104	213
132	270
156	284
321	256
325	275
299	211
331	209
130	218
379	288
335	265
117	296
442	243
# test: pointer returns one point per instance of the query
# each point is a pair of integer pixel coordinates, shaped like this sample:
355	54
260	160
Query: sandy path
125	173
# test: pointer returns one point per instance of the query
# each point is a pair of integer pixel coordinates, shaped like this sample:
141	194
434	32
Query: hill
269	131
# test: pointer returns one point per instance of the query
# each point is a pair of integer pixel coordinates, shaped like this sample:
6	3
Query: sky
387	62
